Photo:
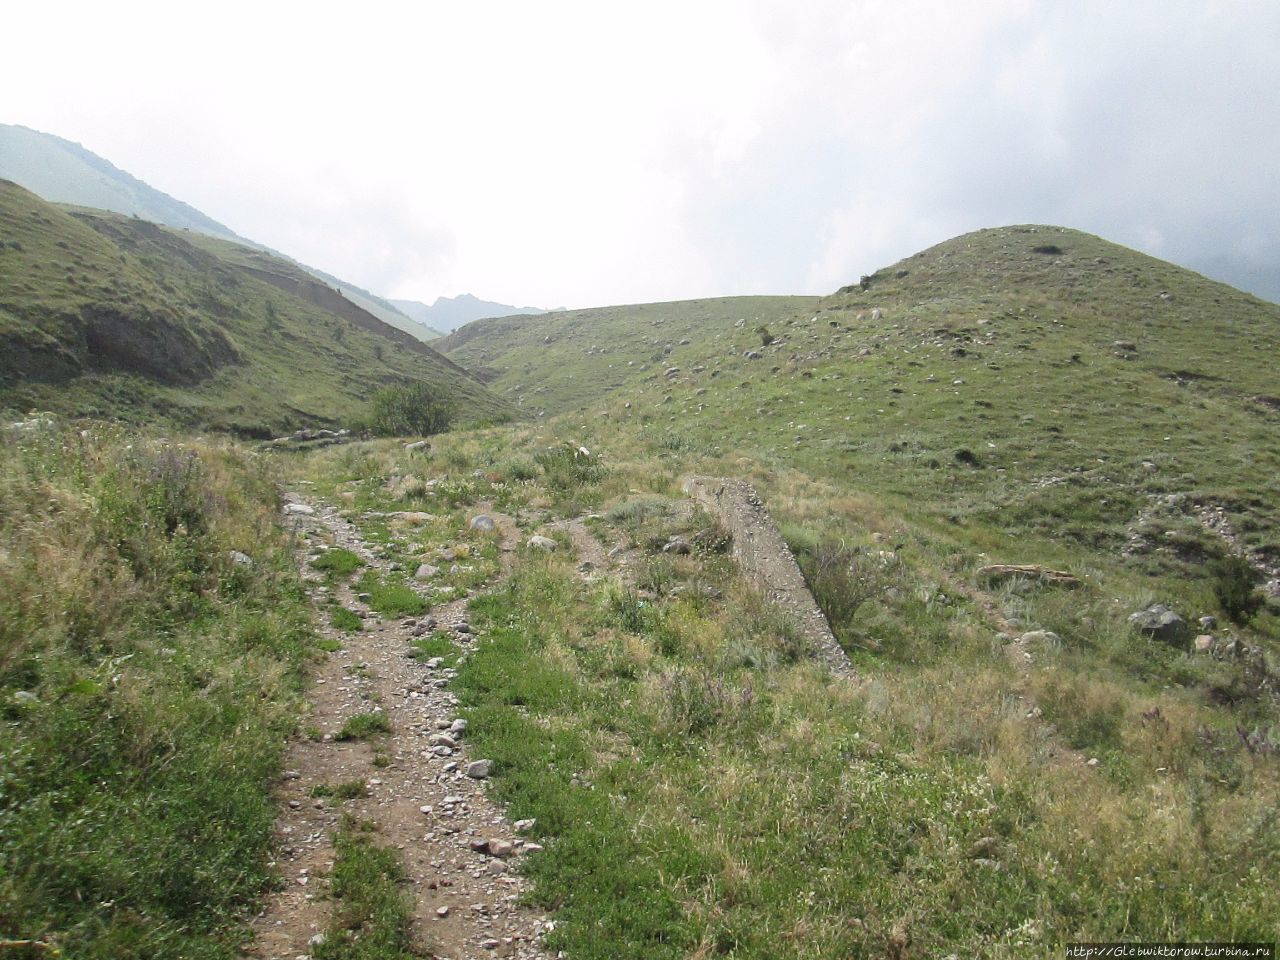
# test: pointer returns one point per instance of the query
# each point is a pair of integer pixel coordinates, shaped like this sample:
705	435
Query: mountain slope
1036	378
64	172
450	313
114	316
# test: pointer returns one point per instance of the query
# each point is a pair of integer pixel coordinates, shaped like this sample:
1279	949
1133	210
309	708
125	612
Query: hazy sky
576	154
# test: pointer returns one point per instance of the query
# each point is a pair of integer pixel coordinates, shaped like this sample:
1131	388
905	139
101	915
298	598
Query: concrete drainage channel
767	562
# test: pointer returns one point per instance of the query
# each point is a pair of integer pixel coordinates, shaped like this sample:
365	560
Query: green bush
569	466
1234	584
417	409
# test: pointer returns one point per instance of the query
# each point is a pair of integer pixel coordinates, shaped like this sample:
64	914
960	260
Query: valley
239	667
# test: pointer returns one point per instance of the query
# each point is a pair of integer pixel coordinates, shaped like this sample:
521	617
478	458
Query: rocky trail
421	787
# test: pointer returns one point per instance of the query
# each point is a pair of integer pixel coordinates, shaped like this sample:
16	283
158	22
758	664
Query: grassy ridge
102	315
148	677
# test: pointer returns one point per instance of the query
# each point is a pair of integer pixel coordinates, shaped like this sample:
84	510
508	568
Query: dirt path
418	792
766	560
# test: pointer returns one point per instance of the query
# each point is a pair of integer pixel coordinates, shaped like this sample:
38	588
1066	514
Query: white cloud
580	153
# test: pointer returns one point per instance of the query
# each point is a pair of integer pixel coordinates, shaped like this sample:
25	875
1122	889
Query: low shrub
1235	586
416	409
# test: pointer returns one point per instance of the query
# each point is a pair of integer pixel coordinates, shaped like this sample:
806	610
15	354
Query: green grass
346	790
702	796
391	597
338	562
348	620
362	726
158	680
436	644
371	914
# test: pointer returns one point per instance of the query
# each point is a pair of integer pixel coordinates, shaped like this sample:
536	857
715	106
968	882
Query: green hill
1034	378
64	172
112	316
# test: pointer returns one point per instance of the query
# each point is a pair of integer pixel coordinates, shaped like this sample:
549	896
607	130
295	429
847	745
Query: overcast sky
548	153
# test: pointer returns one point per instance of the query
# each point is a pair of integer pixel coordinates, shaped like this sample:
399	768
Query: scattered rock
479	769
501	848
1160	623
541	543
482	522
999	572
1044	637
426	571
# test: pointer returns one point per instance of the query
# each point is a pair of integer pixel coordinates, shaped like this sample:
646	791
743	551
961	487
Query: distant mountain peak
449	313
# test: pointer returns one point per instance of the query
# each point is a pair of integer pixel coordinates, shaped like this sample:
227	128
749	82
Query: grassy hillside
64	172
704	787
1031	379
112	316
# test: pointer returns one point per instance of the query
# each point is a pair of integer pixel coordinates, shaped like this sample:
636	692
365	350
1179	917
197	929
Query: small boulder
426	571
479	769
542	543
1204	643
482	522
1160	623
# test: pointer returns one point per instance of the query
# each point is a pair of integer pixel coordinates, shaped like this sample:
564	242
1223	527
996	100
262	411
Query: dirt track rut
423	803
